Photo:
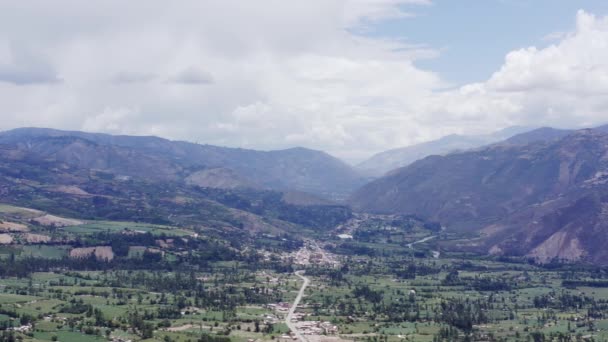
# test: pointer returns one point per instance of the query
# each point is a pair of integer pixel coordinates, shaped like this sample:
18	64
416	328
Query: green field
114	226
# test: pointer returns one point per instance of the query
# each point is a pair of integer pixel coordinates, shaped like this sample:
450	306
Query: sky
351	77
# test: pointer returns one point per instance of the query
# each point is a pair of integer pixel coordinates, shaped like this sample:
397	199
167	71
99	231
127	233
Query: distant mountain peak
386	161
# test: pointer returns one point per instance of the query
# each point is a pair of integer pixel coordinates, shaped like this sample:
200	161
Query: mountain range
153	180
542	194
383	162
297	169
379	164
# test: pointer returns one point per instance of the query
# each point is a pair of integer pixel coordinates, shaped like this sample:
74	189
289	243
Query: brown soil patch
12	227
100	252
5	239
182	328
168	243
36	238
71	190
52	220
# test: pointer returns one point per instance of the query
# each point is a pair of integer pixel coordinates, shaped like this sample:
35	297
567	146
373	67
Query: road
296	302
324	258
409	245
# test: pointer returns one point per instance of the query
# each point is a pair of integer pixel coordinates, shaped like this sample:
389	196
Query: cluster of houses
271	319
304	327
315	258
21	329
317	328
282	307
312	254
313	327
120	339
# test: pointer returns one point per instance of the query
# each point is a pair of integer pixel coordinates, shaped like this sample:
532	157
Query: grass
44	251
116	226
45	293
17	211
68	336
10	298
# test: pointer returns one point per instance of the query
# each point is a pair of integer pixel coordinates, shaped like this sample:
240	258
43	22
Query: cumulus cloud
565	83
578	63
275	74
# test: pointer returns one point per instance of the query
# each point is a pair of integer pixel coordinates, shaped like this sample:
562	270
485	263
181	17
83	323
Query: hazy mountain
545	134
603	128
545	199
152	157
385	161
538	135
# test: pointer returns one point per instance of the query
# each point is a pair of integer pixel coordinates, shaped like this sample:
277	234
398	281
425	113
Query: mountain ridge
297	168
386	161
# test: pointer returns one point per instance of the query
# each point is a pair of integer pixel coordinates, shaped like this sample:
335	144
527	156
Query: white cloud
577	64
20	66
130	77
276	74
555	36
110	120
192	75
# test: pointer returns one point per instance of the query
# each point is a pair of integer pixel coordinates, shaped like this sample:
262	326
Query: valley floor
372	279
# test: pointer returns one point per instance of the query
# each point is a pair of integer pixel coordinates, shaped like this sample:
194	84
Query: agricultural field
448	299
374	278
140	305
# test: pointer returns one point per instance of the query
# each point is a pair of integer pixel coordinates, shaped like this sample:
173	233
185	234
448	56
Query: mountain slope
517	196
571	227
36	181
383	162
152	157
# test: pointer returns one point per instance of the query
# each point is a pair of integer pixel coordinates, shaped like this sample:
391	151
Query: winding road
296	302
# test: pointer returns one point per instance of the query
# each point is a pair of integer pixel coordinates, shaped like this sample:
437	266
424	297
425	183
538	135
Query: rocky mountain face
381	163
546	199
210	166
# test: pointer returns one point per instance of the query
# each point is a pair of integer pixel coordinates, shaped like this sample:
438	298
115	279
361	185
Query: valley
162	283
110	238
304	171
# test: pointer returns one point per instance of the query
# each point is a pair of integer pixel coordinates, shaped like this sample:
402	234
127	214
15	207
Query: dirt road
410	245
296	302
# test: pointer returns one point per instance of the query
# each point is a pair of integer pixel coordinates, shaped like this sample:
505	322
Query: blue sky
473	36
